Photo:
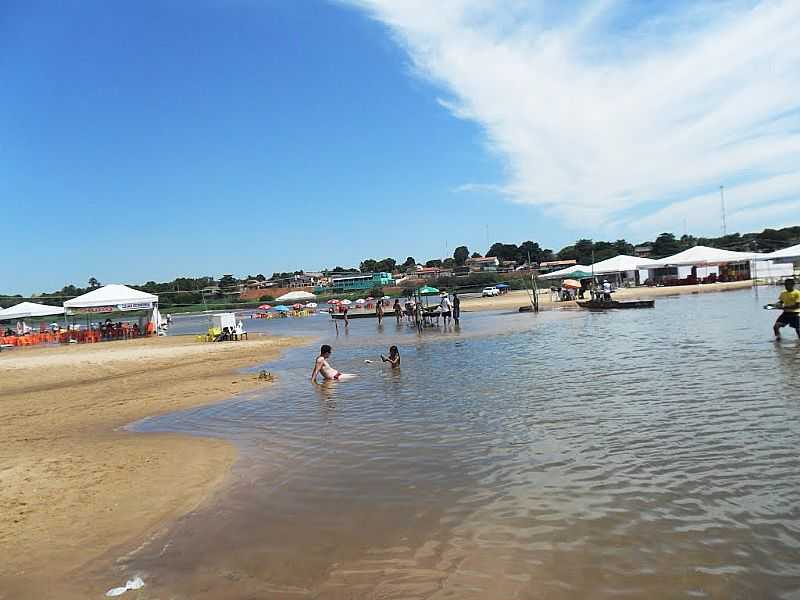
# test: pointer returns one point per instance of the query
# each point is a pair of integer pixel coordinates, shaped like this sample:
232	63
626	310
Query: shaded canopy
620	264
568	272
792	252
427	290
296	297
24	310
700	255
114	295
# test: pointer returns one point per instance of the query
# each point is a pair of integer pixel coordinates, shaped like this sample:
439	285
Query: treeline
586	251
197	290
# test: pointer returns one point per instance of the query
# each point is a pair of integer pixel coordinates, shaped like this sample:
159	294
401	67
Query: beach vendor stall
24	314
701	264
136	313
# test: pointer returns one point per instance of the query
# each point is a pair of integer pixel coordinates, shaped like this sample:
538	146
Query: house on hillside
483	264
643	251
429	273
554	265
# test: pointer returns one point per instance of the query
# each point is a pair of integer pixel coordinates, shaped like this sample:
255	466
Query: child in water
321	366
394	357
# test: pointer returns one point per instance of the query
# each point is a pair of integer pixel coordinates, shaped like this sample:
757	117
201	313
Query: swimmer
322	367
394	357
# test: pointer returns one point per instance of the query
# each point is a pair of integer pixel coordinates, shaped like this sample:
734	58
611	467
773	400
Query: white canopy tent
561	273
789	254
26	310
296	297
699	256
625	268
621	263
114	298
702	262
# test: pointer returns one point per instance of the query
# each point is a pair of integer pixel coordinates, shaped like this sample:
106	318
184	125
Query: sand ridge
73	484
513	300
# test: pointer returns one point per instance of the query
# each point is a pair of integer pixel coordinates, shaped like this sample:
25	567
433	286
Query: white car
490	291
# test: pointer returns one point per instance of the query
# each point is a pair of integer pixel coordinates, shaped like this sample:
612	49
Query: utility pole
722	202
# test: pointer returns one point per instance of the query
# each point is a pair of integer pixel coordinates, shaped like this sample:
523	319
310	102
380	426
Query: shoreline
74	483
514	299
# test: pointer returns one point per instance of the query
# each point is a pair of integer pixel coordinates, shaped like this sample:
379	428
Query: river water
639	454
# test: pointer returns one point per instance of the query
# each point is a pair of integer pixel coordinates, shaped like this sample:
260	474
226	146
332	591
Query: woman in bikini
394	357
322	367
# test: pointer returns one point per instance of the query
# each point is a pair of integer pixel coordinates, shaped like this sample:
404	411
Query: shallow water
642	454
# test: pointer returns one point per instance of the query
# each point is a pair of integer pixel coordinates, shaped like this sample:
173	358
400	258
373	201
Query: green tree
386	265
476	255
504	251
410	264
460	255
449	263
93	282
228	283
665	245
368	266
434	263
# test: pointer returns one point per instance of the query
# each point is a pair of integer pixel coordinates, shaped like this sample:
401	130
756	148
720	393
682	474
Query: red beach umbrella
264	307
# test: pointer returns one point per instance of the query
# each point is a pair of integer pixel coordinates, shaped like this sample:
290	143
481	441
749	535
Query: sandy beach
73	485
513	300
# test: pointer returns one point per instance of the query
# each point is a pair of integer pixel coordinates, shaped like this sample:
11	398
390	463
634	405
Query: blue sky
153	140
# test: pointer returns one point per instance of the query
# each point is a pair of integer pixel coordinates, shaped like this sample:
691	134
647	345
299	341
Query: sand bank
72	484
513	300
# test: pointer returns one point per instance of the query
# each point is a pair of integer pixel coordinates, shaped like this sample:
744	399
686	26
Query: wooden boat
359	315
607	304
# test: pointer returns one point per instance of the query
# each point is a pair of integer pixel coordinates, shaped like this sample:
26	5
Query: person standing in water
789	301
379	311
446	307
394	357
322	367
456	308
398	310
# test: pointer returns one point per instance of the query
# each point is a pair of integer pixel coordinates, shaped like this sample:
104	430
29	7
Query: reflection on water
645	454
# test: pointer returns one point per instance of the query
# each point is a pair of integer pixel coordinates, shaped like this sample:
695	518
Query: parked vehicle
490	291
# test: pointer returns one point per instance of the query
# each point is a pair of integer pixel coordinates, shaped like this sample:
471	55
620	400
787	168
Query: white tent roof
619	264
566	272
29	309
700	255
296	297
111	295
786	253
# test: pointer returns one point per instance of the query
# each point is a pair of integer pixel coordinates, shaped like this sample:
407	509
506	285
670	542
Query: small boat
606	304
358	315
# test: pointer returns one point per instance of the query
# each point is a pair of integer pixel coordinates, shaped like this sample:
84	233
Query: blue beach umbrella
282	308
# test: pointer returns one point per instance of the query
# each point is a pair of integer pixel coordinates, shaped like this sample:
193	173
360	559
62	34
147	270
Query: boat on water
358	315
607	304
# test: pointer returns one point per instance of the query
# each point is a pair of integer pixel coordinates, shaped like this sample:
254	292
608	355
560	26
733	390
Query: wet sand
513	300
73	485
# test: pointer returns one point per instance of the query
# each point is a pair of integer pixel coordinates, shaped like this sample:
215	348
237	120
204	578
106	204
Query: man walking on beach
456	308
789	301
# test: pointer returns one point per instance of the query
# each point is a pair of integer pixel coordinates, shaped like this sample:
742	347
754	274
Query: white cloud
602	111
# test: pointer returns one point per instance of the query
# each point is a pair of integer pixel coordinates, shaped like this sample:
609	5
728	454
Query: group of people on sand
323	368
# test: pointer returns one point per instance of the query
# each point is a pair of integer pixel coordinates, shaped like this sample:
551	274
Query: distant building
643	251
429	273
489	263
348	282
554	265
